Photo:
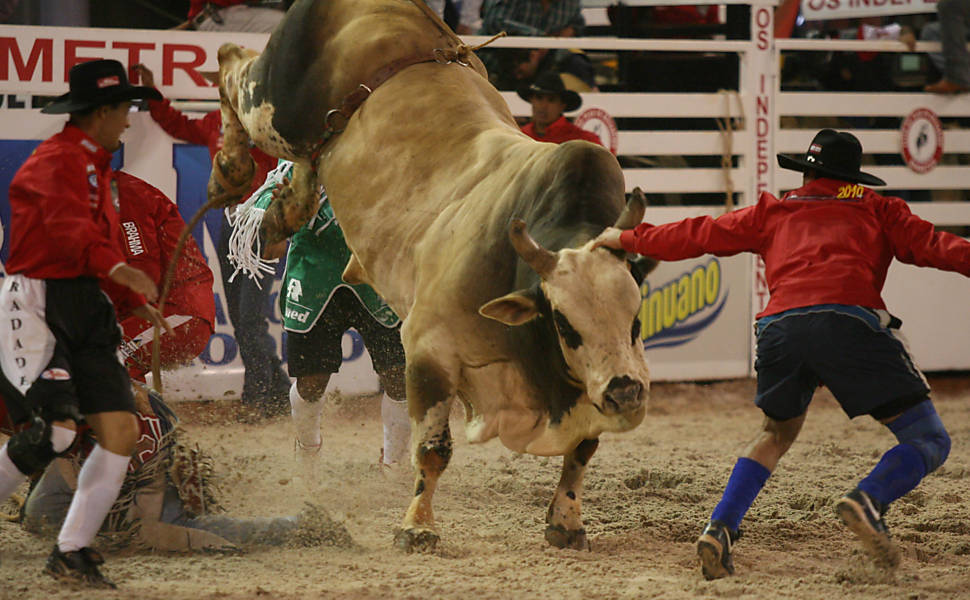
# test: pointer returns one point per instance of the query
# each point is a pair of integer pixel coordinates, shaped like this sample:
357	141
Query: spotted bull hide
476	235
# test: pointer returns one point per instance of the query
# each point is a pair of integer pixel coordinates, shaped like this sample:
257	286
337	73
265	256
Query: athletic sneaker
863	515
80	566
714	550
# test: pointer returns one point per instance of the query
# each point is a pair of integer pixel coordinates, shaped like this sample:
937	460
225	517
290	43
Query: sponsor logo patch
56	374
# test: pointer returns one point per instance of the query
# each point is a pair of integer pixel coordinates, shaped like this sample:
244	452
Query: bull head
592	301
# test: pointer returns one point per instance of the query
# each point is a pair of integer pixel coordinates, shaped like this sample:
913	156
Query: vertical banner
760	80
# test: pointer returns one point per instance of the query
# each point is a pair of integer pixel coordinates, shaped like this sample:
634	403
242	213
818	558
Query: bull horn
632	214
541	260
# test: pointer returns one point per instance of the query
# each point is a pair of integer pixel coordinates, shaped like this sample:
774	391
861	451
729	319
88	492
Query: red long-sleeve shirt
63	217
559	131
207	132
828	242
151	225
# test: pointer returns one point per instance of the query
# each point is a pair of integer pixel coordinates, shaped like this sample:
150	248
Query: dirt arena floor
648	494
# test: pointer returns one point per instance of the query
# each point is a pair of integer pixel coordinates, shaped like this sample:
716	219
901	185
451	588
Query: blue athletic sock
899	471
747	479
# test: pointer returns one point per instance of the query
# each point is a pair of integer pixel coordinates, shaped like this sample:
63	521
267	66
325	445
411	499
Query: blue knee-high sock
898	471
747	479
923	446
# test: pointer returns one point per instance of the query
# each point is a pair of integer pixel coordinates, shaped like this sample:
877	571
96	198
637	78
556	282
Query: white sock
98	485
10	475
397	429
306	417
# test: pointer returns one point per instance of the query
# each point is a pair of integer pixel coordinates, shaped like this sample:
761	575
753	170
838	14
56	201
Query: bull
476	235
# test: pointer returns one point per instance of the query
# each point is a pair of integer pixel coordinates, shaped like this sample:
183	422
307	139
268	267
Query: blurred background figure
510	68
550	99
265	385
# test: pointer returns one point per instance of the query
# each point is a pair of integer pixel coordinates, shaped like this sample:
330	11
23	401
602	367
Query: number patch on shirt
850	191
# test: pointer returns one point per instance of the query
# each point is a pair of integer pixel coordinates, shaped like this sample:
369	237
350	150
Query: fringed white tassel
245	247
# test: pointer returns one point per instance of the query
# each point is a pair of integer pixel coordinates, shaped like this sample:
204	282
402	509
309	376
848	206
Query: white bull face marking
594	302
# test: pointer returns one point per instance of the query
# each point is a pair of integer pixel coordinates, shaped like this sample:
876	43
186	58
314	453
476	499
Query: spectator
510	68
236	15
61	334
550	99
463	16
265	385
318	307
169	499
827	247
954	62
151	225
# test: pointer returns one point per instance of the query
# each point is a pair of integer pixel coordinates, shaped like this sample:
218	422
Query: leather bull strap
336	118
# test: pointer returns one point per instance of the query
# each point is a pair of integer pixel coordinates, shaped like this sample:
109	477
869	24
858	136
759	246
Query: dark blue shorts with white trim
853	351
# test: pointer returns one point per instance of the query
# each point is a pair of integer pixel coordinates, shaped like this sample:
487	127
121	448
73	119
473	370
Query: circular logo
602	124
922	139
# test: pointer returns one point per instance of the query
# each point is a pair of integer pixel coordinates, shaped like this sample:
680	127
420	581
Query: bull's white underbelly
498	403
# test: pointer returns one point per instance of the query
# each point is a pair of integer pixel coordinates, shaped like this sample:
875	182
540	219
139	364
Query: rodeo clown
318	307
827	247
59	333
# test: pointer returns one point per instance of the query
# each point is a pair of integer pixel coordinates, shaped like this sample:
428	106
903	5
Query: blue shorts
851	350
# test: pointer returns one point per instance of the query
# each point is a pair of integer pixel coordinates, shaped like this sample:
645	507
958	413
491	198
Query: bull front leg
233	167
294	203
564	521
429	396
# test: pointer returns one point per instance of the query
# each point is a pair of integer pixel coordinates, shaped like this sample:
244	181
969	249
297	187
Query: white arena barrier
696	315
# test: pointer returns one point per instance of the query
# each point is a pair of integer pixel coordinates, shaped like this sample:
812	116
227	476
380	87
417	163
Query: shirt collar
98	154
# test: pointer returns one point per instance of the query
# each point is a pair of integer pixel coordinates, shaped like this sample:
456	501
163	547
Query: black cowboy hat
835	154
95	83
551	83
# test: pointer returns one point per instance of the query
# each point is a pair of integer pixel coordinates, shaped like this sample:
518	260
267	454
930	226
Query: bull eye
635	333
569	335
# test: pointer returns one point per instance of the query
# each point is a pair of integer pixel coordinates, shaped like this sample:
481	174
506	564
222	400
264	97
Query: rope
727	127
166	287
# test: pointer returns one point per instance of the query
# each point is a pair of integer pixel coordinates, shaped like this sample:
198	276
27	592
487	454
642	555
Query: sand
648	493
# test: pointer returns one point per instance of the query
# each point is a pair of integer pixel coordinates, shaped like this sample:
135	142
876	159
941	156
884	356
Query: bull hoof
416	540
560	537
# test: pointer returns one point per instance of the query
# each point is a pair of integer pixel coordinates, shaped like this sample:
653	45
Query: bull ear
632	214
512	309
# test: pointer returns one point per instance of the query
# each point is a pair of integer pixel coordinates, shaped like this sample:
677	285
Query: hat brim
802	165
63	104
571	99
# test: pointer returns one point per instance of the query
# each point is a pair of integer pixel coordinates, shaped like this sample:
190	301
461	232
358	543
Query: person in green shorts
318	308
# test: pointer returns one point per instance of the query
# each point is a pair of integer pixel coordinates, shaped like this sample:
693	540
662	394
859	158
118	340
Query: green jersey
317	257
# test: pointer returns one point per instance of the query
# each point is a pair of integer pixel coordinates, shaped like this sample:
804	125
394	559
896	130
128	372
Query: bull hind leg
429	401
564	522
294	203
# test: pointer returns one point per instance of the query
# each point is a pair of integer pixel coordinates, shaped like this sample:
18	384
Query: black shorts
862	362
319	352
84	370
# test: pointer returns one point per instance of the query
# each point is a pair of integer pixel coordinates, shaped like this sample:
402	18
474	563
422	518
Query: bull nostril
623	393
